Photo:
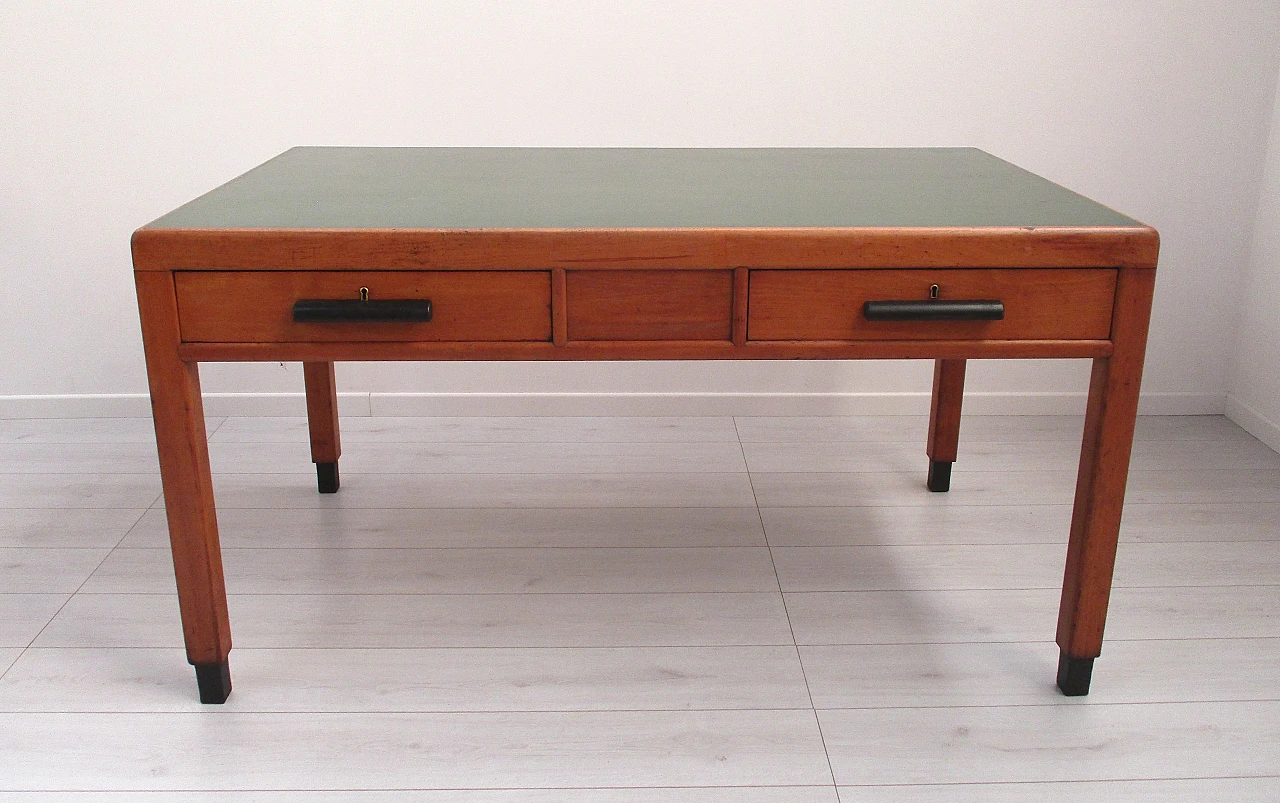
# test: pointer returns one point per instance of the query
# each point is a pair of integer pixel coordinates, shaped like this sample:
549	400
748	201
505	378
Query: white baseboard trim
693	404
77	405
1180	404
1254	422
138	405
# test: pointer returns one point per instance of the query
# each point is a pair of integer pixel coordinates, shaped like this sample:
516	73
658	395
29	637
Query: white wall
113	113
1254	400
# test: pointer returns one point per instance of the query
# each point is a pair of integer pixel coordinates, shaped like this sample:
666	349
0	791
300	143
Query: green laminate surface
572	188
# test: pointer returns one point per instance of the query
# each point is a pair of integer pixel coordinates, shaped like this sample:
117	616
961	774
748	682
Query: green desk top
604	188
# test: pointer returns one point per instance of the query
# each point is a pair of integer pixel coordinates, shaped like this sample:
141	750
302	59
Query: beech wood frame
1112	401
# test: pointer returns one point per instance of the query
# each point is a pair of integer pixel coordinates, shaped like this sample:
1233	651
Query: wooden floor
694	610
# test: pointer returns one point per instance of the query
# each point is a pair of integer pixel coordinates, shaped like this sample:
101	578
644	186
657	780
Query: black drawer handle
979	310
390	310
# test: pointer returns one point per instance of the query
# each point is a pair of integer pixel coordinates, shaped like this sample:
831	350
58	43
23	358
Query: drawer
649	304
1039	304
257	306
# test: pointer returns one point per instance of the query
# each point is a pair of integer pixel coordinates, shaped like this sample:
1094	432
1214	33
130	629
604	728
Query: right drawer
1039	304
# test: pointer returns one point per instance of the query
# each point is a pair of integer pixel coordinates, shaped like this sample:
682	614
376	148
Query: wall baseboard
138	405
1253	422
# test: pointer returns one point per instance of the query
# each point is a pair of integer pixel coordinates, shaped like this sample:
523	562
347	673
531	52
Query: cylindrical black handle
390	310
934	310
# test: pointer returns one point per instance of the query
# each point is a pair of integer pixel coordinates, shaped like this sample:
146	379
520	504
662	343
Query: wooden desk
326	254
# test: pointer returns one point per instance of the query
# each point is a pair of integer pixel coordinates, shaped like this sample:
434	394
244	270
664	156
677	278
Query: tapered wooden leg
188	490
1104	467
944	421
322	419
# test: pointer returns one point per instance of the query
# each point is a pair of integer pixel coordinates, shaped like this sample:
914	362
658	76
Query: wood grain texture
322	411
23	617
700	794
1008	674
649	305
649	350
559	312
1184	790
400	621
460	571
478	527
81	529
985	247
257	306
1043	743
416	751
184	470
50	570
627	249
486	429
490	458
610	488
1060	304
391	680
741	292
944	410
1104	468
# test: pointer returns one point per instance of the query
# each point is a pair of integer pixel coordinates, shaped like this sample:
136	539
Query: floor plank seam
234	712
1060	702
70	597
231	594
1145	779
800	661
1137	726
363	789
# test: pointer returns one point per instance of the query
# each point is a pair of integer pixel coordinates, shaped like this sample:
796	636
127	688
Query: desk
949	254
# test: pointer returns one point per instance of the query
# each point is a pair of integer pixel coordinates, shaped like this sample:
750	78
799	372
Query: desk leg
944	421
188	490
1104	467
322	419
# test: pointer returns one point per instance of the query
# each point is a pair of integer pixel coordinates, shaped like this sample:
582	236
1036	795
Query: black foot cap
327	477
1074	675
214	681
939	476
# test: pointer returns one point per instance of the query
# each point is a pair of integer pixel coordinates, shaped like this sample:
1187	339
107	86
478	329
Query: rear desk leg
1104	467
322	419
188	490
944	421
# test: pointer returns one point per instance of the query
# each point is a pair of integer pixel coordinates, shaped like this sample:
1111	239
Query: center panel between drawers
626	305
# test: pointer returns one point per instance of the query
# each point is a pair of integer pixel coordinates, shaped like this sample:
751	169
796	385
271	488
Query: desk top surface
611	188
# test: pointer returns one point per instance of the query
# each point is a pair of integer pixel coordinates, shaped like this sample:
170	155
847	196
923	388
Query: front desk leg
188	489
944	422
322	420
1104	466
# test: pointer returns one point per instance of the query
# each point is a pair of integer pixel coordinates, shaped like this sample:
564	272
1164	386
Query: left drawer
257	306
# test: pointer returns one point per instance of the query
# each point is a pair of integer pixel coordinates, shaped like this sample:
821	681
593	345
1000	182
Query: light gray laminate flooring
695	610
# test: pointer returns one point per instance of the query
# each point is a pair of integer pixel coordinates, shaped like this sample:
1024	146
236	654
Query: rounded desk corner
146	245
1150	239
1140	249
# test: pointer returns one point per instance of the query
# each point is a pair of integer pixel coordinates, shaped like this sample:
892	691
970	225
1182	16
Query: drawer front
257	306
649	304
1039	304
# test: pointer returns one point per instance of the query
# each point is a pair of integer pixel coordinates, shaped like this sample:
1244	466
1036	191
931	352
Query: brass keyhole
933	291
364	294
